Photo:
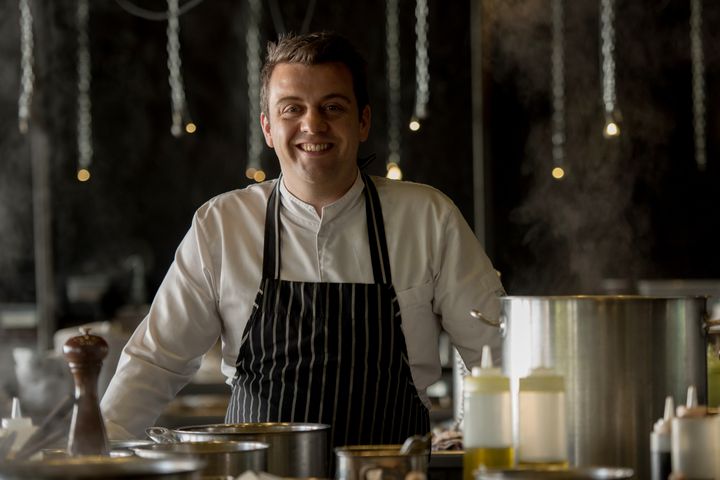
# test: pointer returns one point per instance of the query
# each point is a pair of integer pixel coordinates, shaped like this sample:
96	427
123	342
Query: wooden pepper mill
85	354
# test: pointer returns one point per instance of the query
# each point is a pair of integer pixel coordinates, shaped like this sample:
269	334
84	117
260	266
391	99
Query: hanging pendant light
180	118
698	83
392	52
422	60
254	169
611	128
558	89
84	116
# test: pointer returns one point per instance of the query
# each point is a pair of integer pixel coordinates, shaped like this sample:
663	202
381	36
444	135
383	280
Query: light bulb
250	172
393	171
612	129
190	127
414	124
83	175
558	173
259	176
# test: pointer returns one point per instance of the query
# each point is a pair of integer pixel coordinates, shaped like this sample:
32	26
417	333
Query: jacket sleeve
465	279
166	349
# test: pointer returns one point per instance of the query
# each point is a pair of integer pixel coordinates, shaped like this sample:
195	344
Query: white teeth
315	147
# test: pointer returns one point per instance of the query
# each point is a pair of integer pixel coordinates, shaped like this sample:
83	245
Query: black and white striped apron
331	353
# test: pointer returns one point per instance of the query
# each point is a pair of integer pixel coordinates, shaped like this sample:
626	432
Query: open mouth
314	147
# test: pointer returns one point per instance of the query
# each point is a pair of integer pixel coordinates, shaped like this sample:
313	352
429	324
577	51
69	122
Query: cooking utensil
565	474
295	449
416	444
369	462
102	467
620	356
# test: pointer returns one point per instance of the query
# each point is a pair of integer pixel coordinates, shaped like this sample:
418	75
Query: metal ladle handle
160	435
500	324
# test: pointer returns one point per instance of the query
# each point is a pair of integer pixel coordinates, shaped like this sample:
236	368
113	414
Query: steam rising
595	223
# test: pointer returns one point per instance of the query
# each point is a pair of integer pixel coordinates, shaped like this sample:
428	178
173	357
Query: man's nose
313	122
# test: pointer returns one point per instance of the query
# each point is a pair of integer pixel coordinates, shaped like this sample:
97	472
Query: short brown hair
313	49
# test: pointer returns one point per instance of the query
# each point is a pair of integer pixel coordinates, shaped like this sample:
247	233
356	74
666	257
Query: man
328	288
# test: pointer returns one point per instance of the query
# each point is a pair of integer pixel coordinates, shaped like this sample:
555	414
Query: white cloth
439	271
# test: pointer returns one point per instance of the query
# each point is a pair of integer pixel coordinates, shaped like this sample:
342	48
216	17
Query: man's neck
316	195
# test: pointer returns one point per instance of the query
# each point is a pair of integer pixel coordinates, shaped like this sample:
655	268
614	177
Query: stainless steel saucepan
295	449
224	458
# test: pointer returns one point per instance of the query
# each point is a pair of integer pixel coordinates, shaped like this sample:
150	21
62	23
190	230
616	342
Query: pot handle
160	434
500	324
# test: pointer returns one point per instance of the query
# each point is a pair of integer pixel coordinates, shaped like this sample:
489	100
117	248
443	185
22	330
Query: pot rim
376	451
251	428
202	448
603	297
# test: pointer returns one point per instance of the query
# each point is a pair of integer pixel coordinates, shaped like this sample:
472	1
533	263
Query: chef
328	287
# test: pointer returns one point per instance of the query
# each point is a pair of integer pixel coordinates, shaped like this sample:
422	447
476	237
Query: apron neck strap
375	228
376	233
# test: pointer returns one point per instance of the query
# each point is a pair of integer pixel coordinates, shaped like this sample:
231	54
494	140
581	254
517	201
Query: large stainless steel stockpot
367	462
620	355
103	467
295	449
223	458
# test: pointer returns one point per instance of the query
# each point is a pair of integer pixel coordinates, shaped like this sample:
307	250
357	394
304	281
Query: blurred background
579	138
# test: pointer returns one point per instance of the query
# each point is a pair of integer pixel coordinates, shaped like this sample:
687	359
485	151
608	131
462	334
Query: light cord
698	83
84	116
558	83
422	60
174	63
392	52
27	61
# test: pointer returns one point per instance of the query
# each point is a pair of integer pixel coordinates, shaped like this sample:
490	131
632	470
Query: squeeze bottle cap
542	379
664	424
16	419
691	407
486	364
15	412
486	378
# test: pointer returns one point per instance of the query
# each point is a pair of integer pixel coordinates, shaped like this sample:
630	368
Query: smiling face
312	123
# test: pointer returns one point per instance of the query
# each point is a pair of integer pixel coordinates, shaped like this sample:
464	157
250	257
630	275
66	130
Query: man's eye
290	109
333	108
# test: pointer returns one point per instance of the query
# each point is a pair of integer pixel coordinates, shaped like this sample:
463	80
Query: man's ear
265	123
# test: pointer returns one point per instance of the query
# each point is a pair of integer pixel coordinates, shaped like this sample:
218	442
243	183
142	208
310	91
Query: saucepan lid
96	466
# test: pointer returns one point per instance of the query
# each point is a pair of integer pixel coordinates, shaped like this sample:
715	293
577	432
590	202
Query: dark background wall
633	208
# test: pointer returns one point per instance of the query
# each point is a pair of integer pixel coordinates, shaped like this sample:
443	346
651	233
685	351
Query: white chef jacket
438	267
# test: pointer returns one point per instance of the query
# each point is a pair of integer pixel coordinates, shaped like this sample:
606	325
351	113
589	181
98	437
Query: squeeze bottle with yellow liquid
487	435
542	436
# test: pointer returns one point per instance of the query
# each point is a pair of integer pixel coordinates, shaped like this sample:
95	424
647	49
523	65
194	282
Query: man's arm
167	347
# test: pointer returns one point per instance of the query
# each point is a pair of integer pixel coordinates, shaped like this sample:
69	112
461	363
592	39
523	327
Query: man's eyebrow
329	96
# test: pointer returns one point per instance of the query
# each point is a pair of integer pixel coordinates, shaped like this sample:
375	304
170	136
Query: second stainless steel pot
223	458
367	462
295	449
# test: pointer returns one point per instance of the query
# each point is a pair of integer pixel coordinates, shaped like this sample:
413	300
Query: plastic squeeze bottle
22	426
542	434
660	443
487	436
694	441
